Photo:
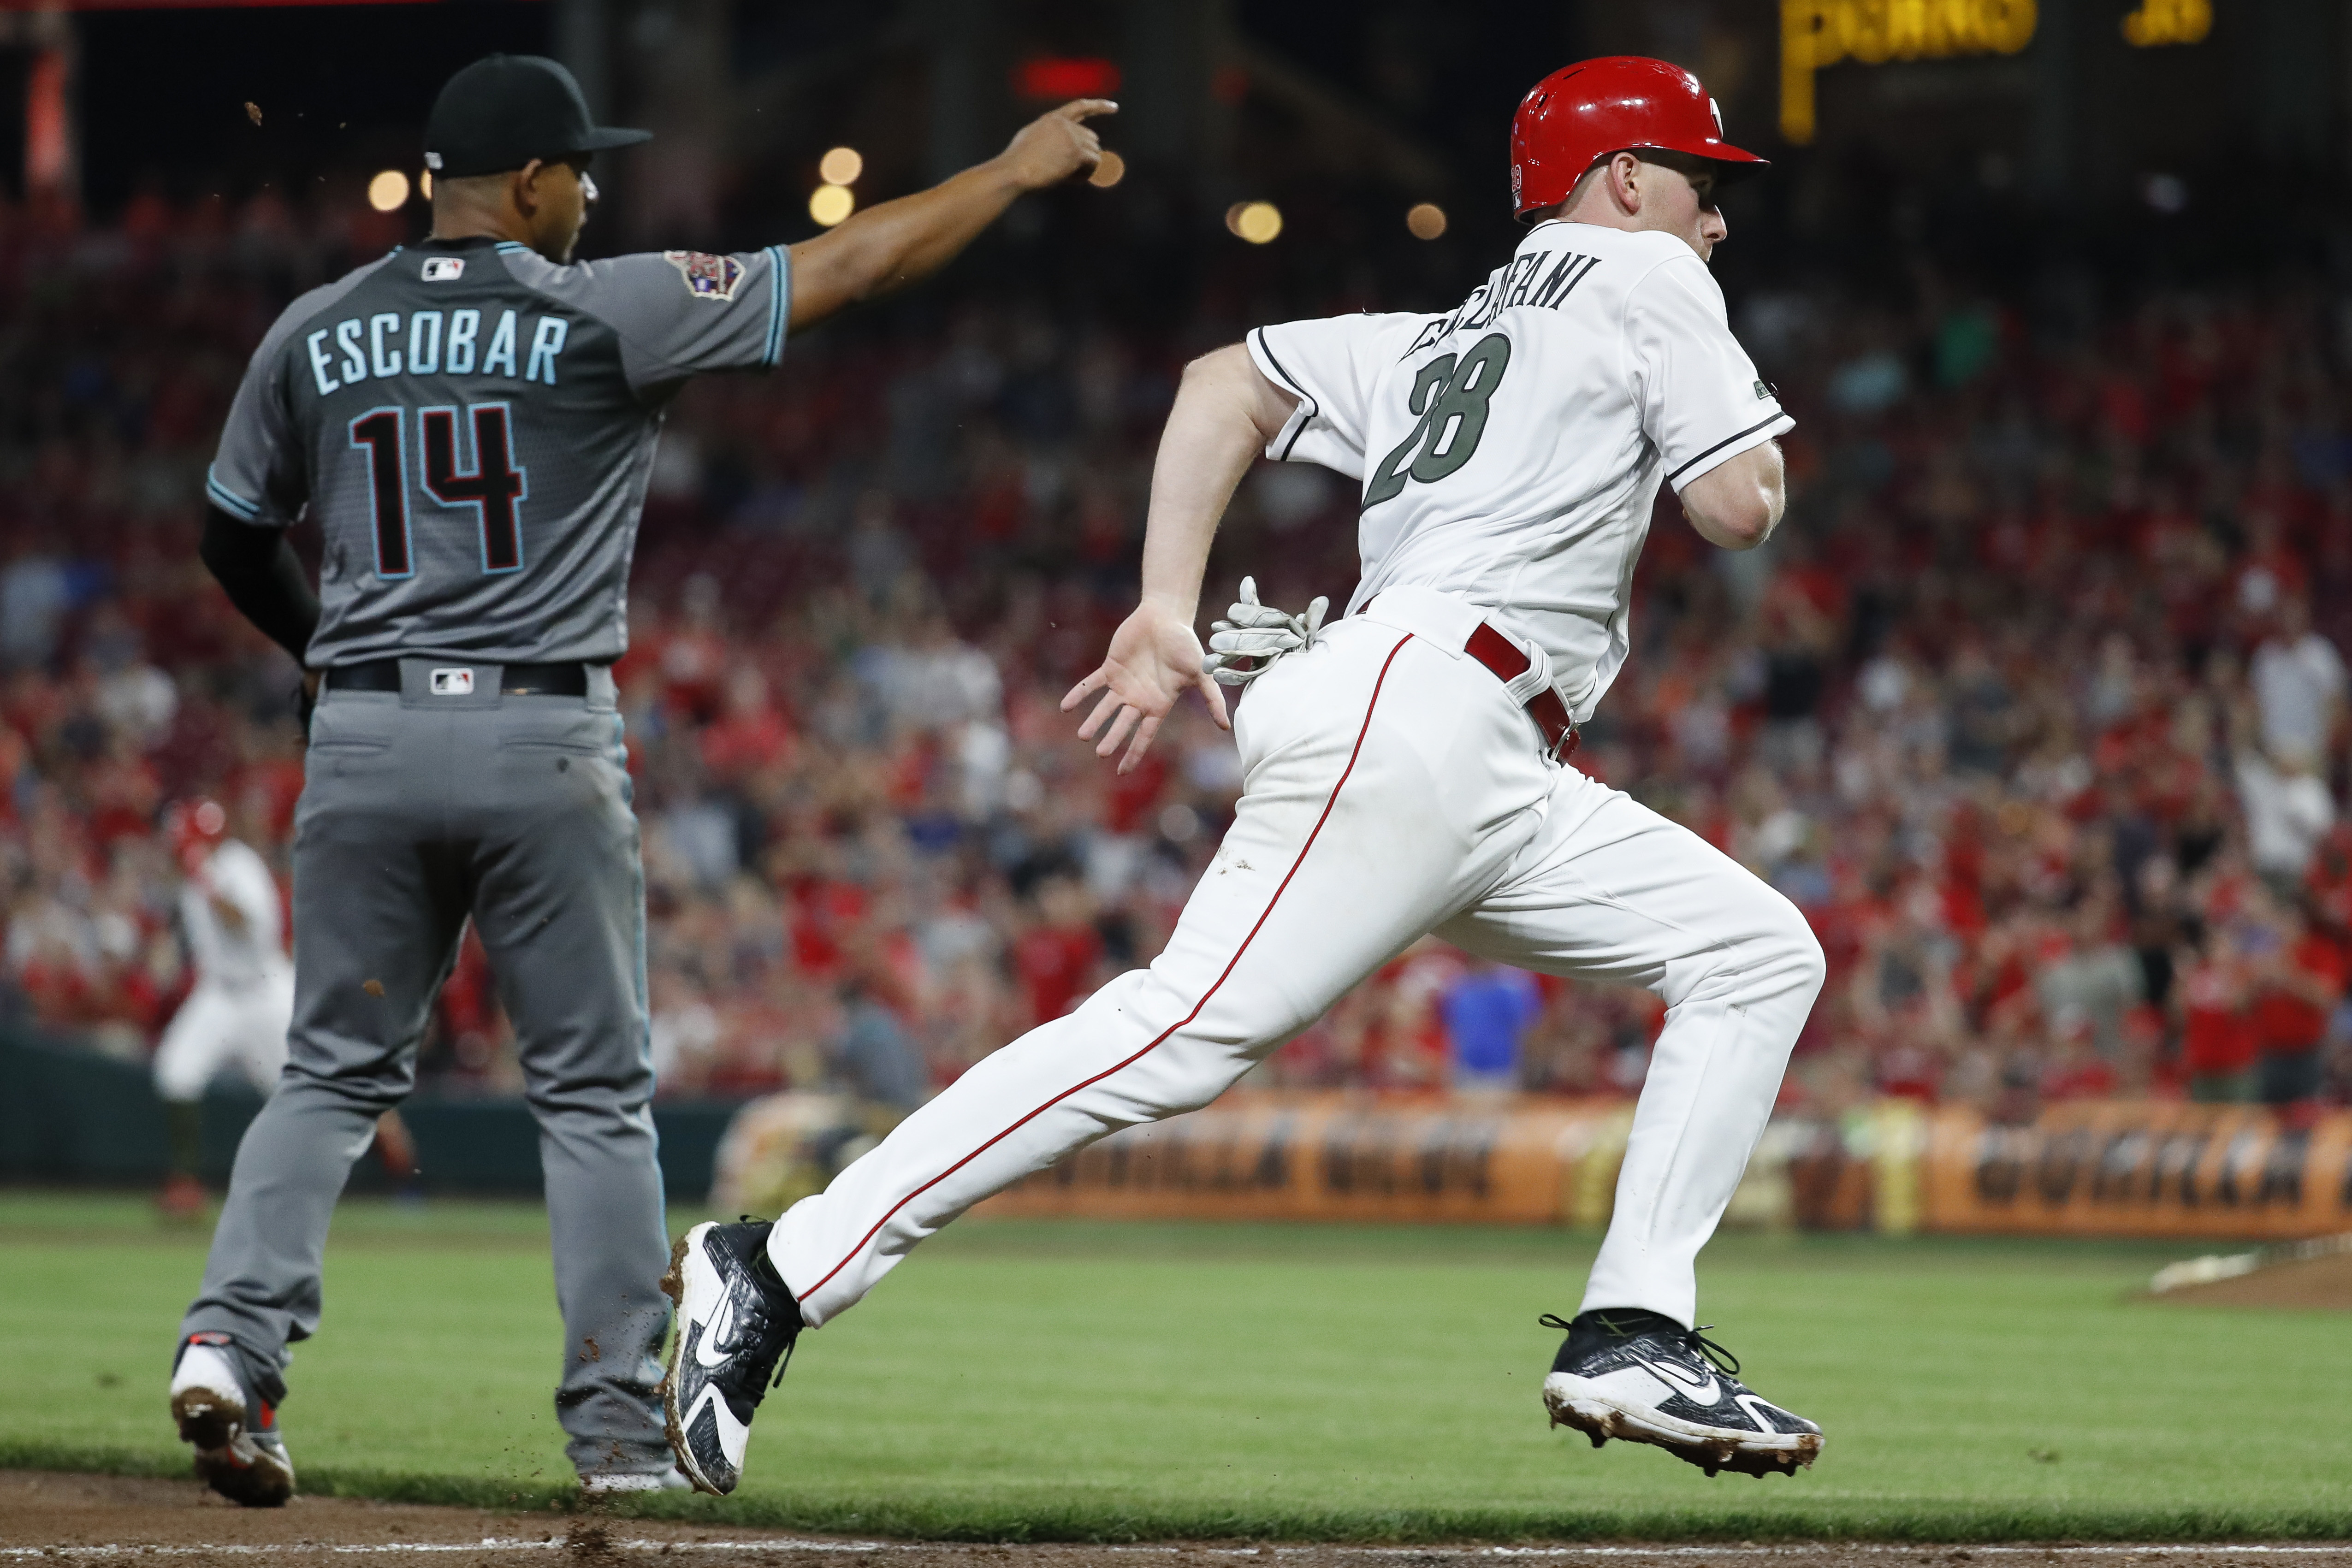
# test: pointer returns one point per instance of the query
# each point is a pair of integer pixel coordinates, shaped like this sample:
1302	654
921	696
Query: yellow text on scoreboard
1816	32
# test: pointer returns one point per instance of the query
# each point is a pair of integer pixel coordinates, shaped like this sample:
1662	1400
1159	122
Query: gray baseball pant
417	810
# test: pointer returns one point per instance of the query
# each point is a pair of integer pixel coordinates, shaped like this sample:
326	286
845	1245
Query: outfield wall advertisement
1312	1158
2139	1168
2105	1168
2082	1168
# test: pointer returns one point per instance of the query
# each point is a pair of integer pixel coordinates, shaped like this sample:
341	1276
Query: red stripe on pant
1158	1039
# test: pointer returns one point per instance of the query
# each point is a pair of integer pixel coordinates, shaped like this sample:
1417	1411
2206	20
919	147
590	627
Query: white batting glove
1246	643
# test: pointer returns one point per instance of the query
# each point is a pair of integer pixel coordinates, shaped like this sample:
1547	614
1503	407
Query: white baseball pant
1391	789
219	1027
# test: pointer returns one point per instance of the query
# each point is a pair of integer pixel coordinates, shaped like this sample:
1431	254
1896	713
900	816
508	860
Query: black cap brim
605	137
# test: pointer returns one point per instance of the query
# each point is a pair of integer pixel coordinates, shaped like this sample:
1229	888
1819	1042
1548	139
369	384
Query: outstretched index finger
1086	108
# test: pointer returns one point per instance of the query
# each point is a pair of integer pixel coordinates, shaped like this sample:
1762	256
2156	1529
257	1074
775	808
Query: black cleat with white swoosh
1642	1376
735	1320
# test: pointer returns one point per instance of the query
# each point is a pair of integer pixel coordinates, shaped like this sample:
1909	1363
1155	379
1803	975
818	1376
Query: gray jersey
473	426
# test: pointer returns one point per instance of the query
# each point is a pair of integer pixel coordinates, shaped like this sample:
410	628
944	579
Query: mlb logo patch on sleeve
706	276
444	268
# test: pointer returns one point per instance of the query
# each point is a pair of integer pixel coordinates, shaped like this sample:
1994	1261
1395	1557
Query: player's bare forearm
1225	412
888	246
896	244
1739	503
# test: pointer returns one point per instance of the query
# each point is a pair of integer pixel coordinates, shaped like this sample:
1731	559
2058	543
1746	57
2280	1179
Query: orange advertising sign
2147	1168
2081	1168
1315	1157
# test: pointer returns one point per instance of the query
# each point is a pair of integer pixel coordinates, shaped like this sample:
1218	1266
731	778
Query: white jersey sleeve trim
1729	447
1285	440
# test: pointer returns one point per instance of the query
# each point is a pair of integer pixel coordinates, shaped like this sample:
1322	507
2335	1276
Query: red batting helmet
1582	113
196	826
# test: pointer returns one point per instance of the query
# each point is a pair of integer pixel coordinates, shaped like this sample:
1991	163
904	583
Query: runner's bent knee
1783	962
1767	950
1809	965
180	1075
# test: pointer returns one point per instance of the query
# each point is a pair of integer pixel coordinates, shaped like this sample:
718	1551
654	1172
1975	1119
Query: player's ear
1625	180
522	187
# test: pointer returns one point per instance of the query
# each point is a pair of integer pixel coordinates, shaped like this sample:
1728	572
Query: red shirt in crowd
2217	1038
1055	962
2286	1022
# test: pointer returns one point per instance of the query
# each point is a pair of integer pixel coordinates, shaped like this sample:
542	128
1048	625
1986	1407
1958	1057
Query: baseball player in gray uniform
471	423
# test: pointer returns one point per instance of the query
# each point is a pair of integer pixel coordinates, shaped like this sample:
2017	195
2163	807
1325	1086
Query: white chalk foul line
499	1543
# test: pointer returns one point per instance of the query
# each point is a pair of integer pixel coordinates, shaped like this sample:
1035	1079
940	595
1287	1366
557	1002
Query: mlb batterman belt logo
706	276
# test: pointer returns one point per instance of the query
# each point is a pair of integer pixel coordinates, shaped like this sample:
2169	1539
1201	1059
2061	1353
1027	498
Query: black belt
514	680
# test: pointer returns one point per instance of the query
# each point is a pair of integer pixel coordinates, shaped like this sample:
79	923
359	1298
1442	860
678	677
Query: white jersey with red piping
1510	450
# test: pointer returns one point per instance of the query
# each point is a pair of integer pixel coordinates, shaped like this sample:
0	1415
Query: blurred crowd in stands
2035	707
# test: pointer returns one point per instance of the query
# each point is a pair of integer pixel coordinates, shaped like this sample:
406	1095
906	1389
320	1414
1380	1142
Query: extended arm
1737	503
258	571
901	241
1225	414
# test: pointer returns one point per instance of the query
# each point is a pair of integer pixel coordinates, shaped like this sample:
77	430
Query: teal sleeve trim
229	501
780	295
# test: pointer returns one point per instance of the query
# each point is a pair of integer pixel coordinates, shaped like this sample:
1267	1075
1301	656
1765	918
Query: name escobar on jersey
378	346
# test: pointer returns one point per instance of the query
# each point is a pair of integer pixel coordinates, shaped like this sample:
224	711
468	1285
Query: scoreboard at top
1817	33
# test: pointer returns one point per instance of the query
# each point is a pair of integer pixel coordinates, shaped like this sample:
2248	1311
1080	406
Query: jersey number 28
494	487
1451	422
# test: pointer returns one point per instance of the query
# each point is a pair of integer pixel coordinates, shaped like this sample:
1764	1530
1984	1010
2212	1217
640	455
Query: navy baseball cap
504	110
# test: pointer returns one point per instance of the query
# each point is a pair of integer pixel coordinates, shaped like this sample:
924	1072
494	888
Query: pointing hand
1054	146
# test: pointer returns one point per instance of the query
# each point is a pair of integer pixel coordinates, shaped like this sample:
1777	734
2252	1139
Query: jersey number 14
495	488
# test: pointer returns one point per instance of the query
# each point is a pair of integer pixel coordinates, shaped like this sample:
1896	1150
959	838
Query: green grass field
1067	1381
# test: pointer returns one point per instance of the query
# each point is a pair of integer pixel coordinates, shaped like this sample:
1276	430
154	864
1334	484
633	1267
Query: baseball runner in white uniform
1403	772
237	1014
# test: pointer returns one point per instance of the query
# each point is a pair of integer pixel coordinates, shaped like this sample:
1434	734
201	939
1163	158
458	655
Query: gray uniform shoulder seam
305	308
309	306
771	351
508	250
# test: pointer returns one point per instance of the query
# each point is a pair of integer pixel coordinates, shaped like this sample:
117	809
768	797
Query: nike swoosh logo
1705	1393
714	1336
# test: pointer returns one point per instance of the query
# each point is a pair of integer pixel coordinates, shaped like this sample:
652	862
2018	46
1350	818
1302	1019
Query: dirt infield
65	1519
2303	1284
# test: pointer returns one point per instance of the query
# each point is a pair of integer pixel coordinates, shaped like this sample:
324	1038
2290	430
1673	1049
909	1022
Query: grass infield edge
1110	1523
